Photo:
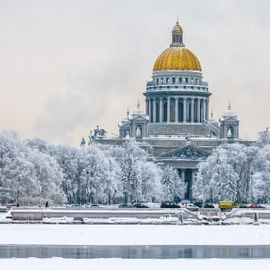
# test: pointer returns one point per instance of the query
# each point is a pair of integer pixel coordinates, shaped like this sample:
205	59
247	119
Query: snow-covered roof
229	114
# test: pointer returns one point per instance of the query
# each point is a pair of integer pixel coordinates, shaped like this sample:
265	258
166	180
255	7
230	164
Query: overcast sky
66	66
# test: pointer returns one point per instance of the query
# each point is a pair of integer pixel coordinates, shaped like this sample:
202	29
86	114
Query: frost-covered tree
260	179
226	173
70	162
263	138
33	172
172	185
26	175
49	177
130	160
151	182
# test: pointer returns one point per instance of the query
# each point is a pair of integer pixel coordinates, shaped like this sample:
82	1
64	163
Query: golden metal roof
177	58
177	26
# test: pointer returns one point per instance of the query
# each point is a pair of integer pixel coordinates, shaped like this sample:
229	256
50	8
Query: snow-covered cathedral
175	128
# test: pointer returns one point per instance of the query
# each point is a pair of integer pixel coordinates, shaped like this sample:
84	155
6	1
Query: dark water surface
134	252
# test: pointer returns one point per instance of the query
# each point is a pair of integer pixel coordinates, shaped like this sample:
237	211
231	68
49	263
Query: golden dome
177	58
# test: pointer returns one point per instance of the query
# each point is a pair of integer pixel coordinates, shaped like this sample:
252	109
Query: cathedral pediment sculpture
187	152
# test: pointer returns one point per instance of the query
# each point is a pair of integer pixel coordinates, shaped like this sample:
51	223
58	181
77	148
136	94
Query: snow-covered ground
134	234
120	264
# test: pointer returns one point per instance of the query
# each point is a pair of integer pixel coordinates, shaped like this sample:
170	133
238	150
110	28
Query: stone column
203	110
154	110
160	110
207	109
147	106
150	111
168	109
176	110
192	110
184	110
198	110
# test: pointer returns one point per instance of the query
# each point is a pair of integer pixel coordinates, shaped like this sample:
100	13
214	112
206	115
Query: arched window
173	80
126	134
230	132
157	81
180	79
138	132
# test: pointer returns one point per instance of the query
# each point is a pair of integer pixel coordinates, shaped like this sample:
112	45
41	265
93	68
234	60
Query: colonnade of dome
177	109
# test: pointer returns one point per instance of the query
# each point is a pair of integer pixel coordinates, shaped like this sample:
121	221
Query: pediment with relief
187	152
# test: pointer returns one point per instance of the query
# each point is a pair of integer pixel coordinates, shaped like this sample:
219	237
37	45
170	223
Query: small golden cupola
177	57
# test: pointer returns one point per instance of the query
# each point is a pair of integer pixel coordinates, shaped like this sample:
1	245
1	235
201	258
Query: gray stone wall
178	129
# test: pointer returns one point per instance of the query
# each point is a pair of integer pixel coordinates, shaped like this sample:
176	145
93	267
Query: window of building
138	132
167	80
157	81
173	80
186	80
180	79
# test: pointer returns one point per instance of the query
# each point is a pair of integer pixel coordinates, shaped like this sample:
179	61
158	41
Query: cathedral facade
176	128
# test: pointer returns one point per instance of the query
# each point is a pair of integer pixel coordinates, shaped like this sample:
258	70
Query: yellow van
227	205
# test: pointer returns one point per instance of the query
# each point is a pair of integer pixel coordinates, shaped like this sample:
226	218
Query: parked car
94	205
192	207
125	206
243	205
183	202
256	206
198	203
140	205
208	205
169	204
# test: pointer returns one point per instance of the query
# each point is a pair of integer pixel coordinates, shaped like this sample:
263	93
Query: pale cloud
69	65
